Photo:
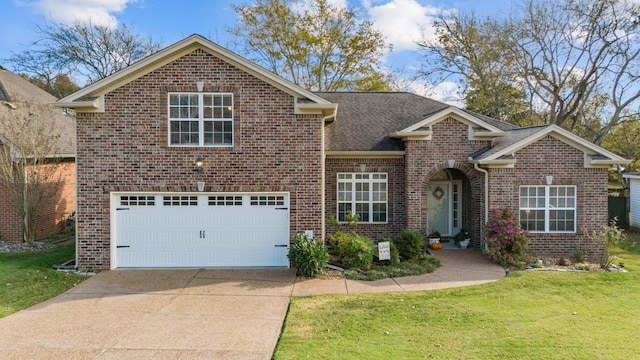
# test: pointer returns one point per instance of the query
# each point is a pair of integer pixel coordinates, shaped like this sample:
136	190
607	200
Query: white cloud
402	21
100	12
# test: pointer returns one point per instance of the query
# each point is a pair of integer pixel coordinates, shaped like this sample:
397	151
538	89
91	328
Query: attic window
201	119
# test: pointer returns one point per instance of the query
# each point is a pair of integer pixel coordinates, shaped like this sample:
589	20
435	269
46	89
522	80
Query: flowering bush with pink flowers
506	241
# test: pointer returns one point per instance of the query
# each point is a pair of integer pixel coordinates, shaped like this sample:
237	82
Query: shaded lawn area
27	278
527	315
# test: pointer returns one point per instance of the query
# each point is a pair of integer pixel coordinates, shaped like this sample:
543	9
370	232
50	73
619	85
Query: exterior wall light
199	165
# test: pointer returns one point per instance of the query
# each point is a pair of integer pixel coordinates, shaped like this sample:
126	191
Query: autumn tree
559	57
463	51
59	87
317	45
81	51
29	143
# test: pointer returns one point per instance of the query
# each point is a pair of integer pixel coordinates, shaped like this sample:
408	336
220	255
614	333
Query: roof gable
365	119
502	151
91	97
18	97
478	128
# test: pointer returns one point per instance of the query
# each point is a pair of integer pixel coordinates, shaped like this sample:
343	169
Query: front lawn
27	278
527	315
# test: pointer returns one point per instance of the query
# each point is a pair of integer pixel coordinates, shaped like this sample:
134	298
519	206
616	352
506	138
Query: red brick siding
54	210
58	206
427	157
396	212
550	156
10	223
125	149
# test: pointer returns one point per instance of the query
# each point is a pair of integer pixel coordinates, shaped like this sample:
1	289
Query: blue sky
169	21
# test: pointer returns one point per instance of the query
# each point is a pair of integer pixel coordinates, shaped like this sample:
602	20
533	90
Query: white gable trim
460	115
567	137
97	90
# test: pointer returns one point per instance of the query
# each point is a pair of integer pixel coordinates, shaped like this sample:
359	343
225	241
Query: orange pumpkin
436	246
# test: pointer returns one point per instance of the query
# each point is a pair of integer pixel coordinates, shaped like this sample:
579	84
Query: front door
444	207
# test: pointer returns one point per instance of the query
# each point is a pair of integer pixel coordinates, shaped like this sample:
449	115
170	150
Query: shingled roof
16	93
514	136
365	120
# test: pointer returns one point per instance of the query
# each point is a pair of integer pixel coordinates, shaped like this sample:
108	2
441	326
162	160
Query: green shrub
354	250
308	256
395	254
410	244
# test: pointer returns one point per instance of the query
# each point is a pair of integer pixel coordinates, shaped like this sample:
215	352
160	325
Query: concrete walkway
459	268
194	314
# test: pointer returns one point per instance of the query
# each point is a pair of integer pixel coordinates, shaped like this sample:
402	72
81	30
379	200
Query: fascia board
83	106
176	51
589	162
453	111
328	111
485	135
499	163
566	137
412	135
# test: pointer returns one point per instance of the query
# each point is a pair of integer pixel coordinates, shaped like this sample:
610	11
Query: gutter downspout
323	156
486	195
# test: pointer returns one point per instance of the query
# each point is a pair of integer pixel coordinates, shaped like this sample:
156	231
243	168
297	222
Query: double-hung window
200	119
363	194
548	208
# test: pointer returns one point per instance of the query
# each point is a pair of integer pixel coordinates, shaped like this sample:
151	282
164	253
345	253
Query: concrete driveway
195	314
156	314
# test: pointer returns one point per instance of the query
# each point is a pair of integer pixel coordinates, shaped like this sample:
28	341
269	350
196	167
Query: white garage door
212	230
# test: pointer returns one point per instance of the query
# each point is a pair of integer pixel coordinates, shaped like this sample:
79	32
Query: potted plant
462	238
434	237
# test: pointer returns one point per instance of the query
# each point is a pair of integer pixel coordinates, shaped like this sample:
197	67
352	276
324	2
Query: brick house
197	157
18	97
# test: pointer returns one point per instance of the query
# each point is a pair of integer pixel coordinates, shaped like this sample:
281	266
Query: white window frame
529	203
201	119
348	195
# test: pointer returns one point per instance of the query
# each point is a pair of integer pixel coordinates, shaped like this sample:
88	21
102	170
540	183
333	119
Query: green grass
527	315
27	278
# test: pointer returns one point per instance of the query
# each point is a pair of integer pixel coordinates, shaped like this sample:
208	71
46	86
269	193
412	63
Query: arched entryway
453	201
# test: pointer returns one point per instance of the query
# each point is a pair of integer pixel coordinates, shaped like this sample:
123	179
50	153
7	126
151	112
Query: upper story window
548	208
364	194
201	119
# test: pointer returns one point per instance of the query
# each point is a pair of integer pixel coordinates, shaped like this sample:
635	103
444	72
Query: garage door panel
232	232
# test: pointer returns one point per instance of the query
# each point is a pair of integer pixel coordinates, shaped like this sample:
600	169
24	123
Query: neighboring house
197	157
634	198
18	97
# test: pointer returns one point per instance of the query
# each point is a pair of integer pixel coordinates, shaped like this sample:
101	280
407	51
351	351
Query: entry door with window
444	207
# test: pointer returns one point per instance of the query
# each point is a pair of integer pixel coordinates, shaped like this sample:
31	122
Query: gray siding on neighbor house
634	202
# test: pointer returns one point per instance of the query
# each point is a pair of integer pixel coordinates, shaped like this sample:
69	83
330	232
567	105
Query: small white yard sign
384	250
